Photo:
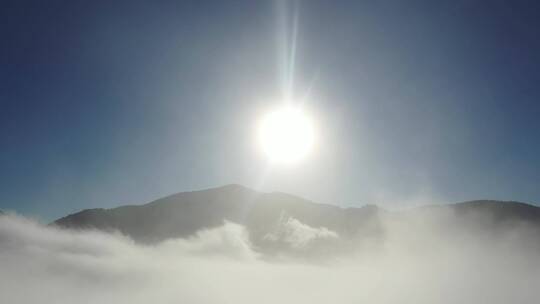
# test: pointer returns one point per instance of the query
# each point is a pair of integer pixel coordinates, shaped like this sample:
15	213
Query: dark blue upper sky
106	103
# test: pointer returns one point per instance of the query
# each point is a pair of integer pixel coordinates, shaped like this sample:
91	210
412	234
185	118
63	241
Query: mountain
182	214
265	214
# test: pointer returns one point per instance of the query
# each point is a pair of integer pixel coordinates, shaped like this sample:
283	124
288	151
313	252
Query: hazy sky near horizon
105	103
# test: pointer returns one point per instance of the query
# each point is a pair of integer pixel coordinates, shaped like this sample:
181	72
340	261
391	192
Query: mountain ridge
182	214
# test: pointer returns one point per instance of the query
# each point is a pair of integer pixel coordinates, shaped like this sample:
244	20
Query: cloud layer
417	261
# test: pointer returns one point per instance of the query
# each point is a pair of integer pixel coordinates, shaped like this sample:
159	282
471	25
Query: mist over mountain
244	246
274	219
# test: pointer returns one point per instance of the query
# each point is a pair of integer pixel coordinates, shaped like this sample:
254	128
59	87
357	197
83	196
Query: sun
286	135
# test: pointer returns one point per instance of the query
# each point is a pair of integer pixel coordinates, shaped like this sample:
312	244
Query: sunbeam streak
288	15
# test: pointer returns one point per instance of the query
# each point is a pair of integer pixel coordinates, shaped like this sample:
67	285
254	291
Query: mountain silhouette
183	214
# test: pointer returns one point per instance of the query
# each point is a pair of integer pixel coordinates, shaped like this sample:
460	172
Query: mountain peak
233	187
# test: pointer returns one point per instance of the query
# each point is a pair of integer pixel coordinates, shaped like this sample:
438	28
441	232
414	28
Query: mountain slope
182	214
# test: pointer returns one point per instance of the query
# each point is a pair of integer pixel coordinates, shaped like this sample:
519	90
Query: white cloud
414	263
298	235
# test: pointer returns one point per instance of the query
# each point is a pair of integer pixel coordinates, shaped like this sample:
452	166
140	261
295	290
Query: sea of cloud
415	261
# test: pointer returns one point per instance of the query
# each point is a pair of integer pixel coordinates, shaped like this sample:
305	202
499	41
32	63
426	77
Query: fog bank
420	259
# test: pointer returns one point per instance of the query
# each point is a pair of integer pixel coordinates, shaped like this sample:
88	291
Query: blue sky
105	103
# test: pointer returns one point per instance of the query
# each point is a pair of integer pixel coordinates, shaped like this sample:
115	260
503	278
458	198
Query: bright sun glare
286	135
